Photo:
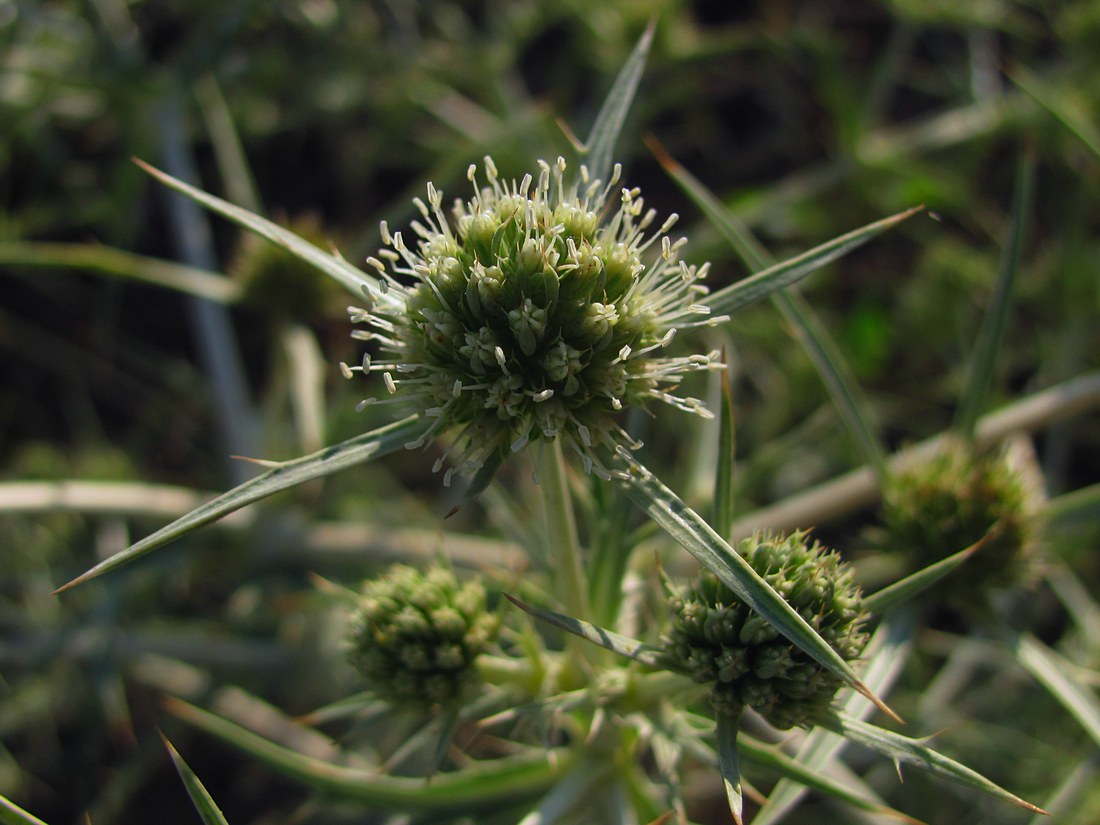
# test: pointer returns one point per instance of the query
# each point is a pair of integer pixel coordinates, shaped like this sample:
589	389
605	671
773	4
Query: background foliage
809	119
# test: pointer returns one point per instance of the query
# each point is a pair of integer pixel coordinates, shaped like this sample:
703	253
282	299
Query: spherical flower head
940	505
414	635
717	639
540	309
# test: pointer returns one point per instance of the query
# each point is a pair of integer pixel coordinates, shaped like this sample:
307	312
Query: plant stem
561	530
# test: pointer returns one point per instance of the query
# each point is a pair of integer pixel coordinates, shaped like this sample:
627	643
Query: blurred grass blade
900	591
686	526
1067	110
609	639
285	475
728	763
827	360
885	657
200	798
12	814
485	784
570	791
984	359
723	477
912	751
105	260
348	276
838	379
1055	674
600	146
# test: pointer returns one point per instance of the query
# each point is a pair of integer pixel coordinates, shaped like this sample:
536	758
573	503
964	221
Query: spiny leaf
348	276
609	639
358	450
600	146
912	751
827	360
204	803
728	763
900	591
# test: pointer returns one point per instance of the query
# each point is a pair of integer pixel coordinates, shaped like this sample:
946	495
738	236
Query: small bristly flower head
718	640
414	635
942	504
538	309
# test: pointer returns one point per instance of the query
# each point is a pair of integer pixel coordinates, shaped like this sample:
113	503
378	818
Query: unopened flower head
944	503
717	639
414	635
540	309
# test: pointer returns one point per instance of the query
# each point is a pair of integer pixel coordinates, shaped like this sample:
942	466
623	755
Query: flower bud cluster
414	635
717	639
538	310
943	504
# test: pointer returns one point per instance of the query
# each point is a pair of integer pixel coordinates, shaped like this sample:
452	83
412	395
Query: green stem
561	529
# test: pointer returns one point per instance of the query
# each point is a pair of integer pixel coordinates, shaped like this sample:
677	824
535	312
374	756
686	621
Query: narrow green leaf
723	476
609	639
358	450
903	749
600	146
485	784
900	591
348	276
204	803
12	814
1070	112
118	263
1054	673
984	359
686	526
830	365
569	791
838	379
728	763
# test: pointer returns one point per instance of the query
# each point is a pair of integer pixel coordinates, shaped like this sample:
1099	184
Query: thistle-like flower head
414	635
717	639
539	310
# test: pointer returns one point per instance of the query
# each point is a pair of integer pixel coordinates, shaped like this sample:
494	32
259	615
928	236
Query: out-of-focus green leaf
118	263
485	784
723	477
1069	111
12	814
984	360
1055	674
285	475
204	803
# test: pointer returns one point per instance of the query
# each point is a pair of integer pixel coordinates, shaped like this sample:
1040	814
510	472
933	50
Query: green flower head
540	309
940	505
414	635
717	639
